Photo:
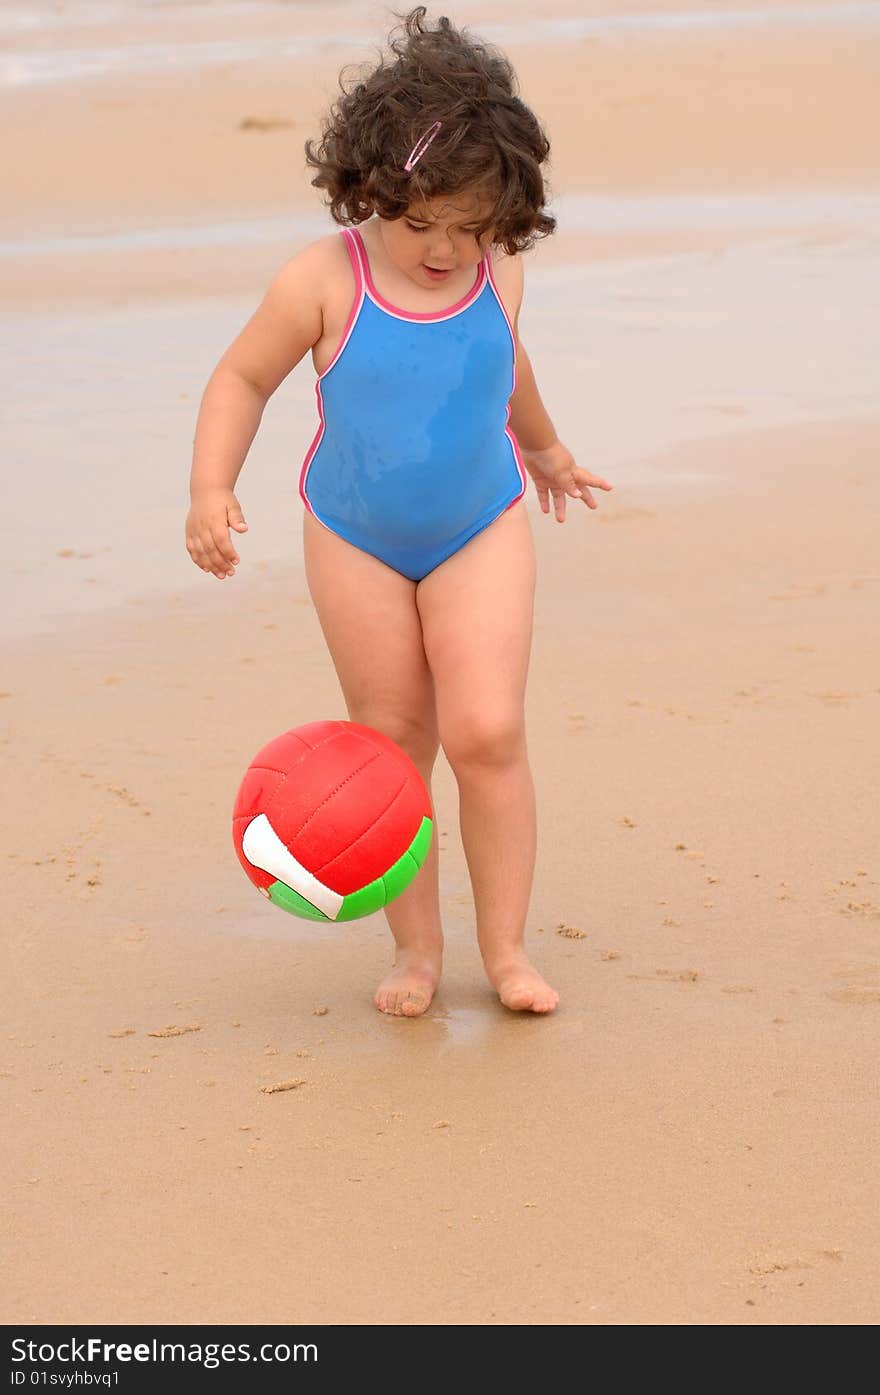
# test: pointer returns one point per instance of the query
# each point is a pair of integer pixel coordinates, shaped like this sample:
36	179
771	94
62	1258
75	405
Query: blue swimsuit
413	456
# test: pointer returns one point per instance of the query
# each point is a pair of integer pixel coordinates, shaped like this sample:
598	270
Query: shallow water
28	59
620	214
633	357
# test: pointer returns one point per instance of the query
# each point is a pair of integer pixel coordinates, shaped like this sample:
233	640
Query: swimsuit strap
354	253
376	295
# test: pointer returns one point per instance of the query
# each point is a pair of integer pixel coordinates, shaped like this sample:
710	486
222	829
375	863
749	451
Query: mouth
437	273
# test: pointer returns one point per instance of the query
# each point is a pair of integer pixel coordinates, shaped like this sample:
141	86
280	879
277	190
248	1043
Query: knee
484	739
416	736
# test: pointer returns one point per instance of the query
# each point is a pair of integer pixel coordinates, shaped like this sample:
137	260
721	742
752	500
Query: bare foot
519	985
408	989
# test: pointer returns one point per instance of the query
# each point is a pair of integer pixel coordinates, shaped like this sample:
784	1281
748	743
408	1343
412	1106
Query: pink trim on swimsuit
346	335
386	305
356	303
507	429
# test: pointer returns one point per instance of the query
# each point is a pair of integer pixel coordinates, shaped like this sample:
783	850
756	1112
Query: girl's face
436	238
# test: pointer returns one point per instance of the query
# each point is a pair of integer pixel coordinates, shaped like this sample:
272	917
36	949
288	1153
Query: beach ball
332	821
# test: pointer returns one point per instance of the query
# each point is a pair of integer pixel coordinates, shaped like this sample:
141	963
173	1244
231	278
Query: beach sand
691	1137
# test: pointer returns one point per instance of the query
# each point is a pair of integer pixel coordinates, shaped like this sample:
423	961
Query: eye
423	227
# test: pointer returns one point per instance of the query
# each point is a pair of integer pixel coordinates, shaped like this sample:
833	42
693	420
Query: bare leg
366	608
498	829
476	611
414	920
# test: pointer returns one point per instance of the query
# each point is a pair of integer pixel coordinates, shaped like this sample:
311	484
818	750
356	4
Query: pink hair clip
421	146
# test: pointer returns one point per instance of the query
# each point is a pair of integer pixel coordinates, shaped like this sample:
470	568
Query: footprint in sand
770	1263
867	910
855	994
862	985
281	1087
124	795
668	976
176	1031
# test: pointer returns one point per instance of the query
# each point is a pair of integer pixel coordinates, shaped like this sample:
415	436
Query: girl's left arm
550	463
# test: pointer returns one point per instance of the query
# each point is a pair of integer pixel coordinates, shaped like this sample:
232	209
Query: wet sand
690	1138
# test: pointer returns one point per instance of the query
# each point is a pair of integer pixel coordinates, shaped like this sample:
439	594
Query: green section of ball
398	877
419	846
289	900
384	889
369	898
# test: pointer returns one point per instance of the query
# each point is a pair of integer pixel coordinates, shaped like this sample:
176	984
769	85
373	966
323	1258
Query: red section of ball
345	799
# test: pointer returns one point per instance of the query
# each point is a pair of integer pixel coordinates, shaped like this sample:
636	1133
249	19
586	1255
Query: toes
518	998
525	997
546	1004
414	1004
398	1002
545	1001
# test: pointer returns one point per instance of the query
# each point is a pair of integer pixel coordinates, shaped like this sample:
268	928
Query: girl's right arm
286	324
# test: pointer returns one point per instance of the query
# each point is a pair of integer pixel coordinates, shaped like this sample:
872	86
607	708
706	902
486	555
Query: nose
442	246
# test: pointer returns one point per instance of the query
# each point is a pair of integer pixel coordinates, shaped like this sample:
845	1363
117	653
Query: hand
554	472
208	539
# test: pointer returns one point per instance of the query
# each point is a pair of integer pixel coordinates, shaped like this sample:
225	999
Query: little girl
418	549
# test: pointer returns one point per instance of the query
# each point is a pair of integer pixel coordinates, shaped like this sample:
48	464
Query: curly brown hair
490	145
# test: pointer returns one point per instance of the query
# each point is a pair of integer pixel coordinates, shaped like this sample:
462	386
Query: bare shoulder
326	254
293	314
320	276
313	269
507	269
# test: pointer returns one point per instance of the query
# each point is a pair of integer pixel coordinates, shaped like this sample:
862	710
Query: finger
559	501
588	499
543	497
211	553
595	480
236	518
197	553
215	560
224	545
